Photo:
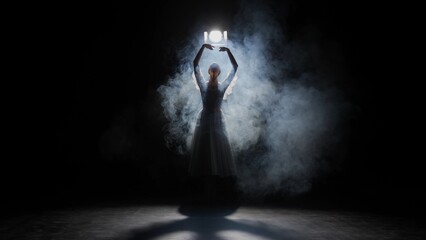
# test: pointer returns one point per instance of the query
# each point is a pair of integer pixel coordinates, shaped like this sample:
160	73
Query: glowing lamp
216	38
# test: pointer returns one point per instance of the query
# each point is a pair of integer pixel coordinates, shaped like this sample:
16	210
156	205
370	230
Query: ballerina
211	155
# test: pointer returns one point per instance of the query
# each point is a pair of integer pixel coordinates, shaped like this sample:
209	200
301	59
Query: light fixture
216	38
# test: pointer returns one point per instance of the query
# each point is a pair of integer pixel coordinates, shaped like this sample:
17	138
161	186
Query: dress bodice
212	99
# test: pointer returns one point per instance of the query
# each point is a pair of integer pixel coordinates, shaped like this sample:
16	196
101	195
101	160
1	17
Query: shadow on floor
209	223
207	219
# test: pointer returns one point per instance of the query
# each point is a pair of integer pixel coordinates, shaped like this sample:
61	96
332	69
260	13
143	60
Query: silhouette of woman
211	155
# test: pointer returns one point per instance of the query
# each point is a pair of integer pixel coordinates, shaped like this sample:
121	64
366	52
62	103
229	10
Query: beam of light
205	37
215	36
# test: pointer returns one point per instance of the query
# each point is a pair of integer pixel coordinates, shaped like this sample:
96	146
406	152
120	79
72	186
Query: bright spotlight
216	38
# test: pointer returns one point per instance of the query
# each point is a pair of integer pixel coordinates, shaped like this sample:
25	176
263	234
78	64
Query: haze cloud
283	114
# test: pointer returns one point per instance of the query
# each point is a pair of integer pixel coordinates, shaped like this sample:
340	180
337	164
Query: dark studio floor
131	221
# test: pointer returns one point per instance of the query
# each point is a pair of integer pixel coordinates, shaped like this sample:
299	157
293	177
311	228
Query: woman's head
214	70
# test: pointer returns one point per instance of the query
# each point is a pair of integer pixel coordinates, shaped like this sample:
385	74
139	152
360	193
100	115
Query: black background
77	69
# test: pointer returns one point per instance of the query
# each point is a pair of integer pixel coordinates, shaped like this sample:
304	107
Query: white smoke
280	118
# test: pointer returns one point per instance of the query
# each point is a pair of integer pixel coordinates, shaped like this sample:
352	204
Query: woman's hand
209	46
223	49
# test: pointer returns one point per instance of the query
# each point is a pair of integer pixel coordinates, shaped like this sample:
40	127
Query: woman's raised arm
197	71
231	73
